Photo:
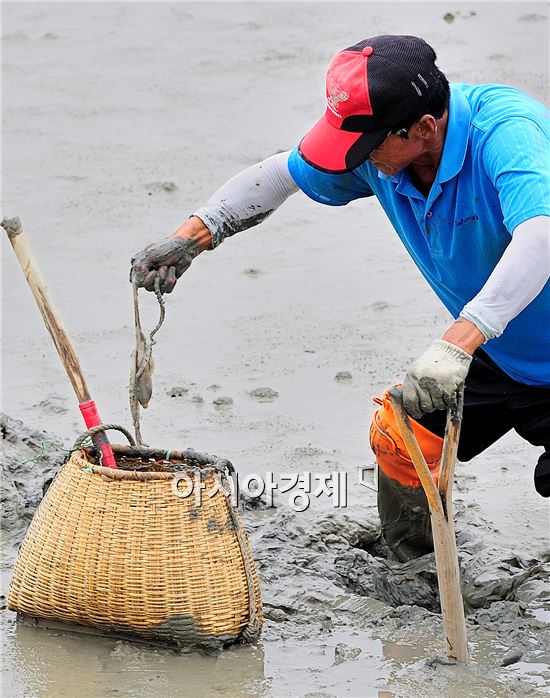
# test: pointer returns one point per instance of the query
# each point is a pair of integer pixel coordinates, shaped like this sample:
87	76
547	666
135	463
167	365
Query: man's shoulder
494	104
333	189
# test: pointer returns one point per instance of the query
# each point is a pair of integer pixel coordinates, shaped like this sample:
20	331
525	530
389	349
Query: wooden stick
417	457
450	447
441	516
51	318
61	339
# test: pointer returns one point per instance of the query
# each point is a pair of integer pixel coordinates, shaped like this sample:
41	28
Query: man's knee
390	451
542	474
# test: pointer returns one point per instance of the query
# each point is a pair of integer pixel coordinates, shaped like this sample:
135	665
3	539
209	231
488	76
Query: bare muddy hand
168	258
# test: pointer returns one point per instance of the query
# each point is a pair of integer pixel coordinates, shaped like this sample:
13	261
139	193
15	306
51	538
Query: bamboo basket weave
118	550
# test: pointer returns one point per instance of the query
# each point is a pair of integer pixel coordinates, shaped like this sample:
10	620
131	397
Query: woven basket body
120	551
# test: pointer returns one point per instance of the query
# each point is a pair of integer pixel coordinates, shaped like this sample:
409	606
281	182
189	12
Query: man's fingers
439	400
146	279
163	273
411	401
149	281
170	258
138	274
168	279
425	400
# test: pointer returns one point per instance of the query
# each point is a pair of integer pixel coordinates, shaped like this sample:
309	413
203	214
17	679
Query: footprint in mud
160	187
264	394
177	391
53	403
253	273
380	305
222	401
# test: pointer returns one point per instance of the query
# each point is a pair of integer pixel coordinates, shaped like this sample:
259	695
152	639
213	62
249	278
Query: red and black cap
372	89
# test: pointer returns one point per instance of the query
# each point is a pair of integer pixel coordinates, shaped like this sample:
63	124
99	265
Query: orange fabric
390	451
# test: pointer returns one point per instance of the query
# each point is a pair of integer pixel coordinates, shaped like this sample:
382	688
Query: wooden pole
441	516
61	339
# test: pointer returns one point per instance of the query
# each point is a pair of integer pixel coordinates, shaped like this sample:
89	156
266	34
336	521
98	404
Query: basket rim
78	459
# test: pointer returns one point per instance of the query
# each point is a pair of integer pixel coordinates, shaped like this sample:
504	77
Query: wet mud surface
329	577
119	123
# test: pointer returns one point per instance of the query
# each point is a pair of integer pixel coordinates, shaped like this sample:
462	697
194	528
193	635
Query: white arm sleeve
517	279
248	198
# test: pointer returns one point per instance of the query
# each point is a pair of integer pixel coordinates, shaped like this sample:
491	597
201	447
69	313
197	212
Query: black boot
405	518
542	474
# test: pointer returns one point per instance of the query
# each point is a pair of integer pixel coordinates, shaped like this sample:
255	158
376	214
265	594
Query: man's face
395	153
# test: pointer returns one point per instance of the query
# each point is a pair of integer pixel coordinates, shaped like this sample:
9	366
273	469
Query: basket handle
100	428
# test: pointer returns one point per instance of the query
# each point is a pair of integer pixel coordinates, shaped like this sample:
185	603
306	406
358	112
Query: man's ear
425	127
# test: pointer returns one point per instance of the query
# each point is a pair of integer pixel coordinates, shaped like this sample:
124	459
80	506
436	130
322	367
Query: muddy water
120	120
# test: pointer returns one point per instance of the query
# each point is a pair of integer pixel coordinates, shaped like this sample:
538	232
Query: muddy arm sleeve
248	198
517	279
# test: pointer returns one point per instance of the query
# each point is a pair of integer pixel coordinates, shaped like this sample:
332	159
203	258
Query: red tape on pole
92	419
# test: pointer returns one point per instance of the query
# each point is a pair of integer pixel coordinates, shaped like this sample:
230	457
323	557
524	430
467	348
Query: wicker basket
120	551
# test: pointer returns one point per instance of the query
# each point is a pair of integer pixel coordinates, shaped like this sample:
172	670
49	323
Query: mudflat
119	120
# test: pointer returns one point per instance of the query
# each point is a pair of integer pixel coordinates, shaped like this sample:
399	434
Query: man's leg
542	473
530	406
487	413
402	503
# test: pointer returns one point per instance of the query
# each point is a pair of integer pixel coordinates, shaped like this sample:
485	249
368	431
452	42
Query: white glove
432	380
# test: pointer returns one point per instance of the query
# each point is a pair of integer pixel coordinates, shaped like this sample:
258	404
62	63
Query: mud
29	460
235	226
12	226
171	252
96	121
333	573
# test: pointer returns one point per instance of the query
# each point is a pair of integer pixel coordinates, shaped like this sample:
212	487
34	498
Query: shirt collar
455	146
456	138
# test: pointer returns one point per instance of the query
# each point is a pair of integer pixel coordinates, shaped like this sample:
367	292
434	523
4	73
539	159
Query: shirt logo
467	219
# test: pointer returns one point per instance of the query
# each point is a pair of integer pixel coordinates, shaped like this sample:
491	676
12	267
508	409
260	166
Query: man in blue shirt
462	173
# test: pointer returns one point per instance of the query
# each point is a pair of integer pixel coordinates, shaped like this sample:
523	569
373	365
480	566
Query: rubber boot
542	474
405	518
402	504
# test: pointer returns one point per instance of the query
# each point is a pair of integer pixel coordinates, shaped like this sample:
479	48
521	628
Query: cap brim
332	150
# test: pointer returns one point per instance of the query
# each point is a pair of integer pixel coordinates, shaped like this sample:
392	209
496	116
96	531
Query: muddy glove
431	381
169	258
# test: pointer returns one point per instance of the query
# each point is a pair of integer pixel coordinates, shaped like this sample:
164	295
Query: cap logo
334	99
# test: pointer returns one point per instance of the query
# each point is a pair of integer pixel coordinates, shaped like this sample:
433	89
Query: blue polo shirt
493	175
